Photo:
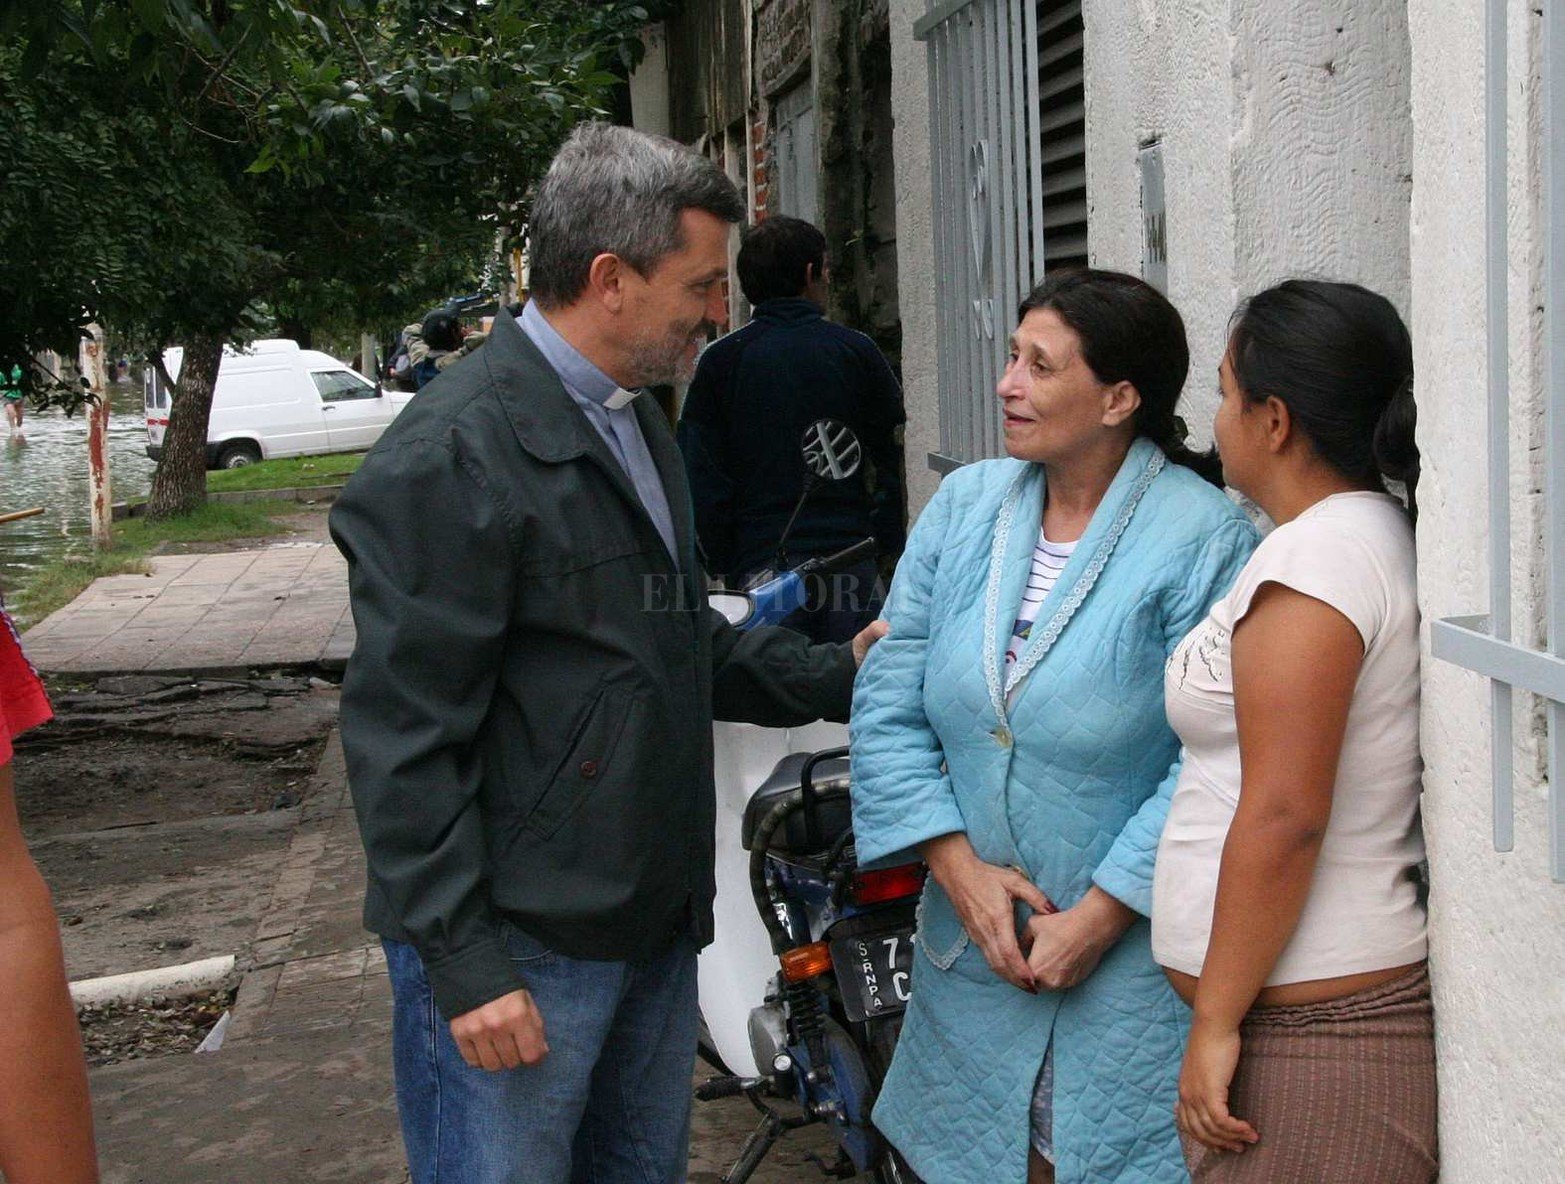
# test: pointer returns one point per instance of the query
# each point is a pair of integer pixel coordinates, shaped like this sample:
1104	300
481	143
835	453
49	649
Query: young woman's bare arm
1295	662
45	1115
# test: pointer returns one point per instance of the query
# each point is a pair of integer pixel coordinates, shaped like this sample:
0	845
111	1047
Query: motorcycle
804	987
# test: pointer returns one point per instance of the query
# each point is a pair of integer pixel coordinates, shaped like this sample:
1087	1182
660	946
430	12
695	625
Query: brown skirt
1341	1092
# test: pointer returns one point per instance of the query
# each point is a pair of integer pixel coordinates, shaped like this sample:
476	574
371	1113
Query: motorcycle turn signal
805	962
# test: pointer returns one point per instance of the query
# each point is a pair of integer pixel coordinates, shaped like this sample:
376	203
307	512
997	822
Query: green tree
178	164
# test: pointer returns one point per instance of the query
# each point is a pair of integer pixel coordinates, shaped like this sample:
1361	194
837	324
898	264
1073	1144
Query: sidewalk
206	614
302	1088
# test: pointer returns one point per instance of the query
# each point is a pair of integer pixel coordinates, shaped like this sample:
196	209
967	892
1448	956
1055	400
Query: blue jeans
609	1105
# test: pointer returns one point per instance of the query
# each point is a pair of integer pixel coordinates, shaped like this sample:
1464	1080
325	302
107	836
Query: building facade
793	99
956	150
1228	144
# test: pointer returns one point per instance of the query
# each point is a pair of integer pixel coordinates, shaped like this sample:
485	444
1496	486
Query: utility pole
368	347
90	361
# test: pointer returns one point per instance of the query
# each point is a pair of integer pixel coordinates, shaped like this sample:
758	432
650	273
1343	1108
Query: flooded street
47	466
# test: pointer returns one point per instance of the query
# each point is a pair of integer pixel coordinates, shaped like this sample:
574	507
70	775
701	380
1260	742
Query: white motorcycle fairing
733	971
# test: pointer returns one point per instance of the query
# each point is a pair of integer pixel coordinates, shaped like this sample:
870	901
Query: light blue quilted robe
1070	782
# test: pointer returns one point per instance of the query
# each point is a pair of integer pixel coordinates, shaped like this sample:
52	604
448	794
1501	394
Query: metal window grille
1062	110
1008	157
1484	643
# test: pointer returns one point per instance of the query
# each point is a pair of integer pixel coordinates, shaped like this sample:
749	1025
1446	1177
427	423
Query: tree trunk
179	485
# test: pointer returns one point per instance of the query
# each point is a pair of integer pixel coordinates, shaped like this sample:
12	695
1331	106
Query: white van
274	399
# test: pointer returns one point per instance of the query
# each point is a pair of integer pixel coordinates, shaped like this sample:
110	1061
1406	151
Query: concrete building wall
1285	140
1497	923
649	84
1162	71
1346	140
1322	142
916	275
801	90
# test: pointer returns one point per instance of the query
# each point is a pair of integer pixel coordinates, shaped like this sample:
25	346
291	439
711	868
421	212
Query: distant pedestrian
1285	904
754	394
45	1115
435	344
11	395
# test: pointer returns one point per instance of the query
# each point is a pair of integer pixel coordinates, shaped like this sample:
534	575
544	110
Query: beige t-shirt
1354	551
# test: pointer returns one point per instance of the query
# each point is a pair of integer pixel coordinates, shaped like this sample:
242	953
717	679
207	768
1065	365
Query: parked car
274	399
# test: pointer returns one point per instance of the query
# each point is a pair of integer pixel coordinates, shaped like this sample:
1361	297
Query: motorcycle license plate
874	971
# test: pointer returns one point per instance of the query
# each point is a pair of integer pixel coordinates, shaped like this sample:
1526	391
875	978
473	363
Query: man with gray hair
527	713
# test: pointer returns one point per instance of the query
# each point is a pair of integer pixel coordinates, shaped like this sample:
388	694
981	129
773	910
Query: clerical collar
575	371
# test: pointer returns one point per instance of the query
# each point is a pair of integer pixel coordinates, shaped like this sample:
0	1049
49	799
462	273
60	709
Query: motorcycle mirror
831	450
735	606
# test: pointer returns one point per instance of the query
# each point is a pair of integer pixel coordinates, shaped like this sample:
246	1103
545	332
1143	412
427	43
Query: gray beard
662	362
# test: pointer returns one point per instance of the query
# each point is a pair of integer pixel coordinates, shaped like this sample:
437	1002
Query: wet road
47	466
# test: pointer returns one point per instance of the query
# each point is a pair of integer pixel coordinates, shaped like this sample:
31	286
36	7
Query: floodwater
47	466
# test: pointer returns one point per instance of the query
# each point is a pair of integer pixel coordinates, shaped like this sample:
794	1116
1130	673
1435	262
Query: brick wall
760	147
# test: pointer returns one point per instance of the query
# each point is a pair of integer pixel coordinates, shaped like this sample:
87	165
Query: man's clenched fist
504	1033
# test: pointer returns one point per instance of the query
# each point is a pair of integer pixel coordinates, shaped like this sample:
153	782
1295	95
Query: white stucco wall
1160	70
1285	142
1286	145
915	250
1322	142
1497	923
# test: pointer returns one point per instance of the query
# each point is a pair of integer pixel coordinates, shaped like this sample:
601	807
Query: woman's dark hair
1340	358
775	257
1130	333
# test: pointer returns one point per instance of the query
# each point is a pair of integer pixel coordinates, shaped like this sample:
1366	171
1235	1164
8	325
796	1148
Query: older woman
1011	730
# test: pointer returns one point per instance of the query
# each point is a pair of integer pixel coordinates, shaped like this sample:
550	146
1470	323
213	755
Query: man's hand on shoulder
504	1033
867	637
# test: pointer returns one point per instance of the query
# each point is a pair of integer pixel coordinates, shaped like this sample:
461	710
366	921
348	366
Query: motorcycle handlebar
847	557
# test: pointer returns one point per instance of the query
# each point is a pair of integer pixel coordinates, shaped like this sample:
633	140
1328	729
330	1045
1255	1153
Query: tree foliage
171	166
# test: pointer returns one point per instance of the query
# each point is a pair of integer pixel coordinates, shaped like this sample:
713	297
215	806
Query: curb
188	978
305	494
327	663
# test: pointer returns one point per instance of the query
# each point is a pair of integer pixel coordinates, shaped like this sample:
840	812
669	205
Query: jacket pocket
939	930
587	762
523	948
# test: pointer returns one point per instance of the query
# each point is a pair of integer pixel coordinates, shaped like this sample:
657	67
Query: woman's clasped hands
984	896
1064	946
1055	949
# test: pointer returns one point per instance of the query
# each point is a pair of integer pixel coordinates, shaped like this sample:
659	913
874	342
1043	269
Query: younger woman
1285	910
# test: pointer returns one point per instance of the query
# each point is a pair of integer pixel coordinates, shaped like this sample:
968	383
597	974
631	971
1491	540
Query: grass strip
215	522
290	473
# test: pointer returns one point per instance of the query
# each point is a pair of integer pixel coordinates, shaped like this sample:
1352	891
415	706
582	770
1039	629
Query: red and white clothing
23	703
